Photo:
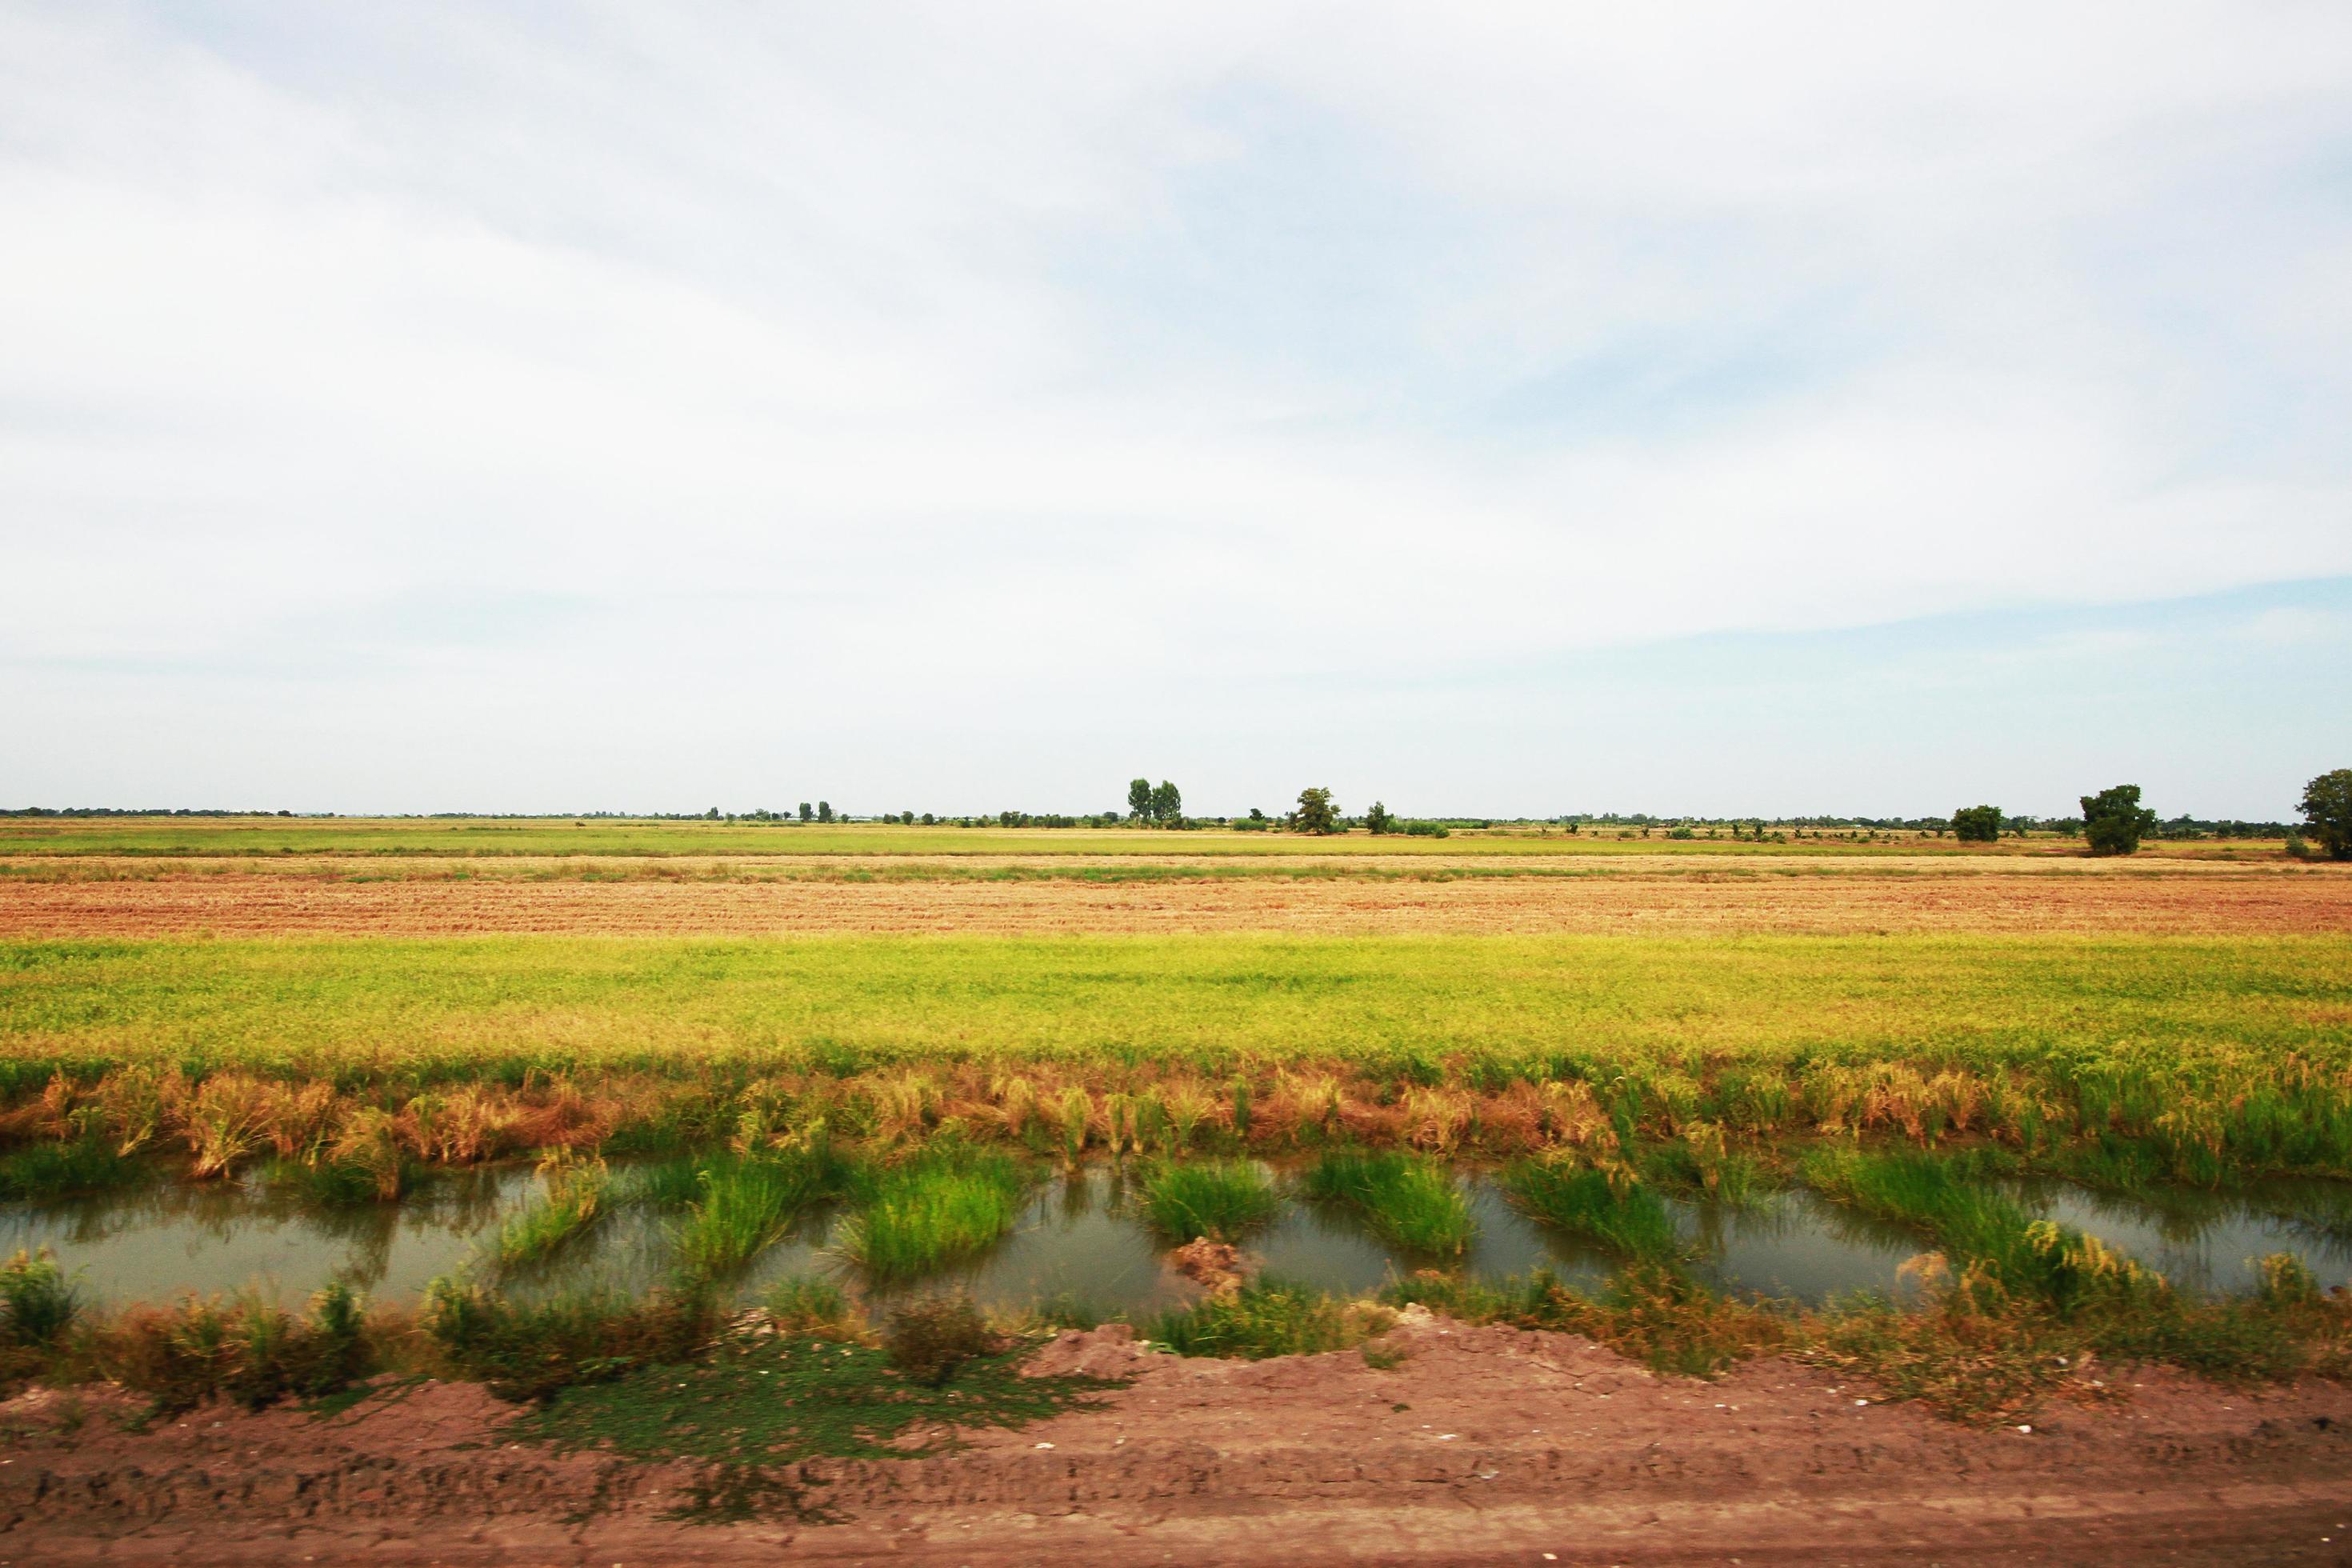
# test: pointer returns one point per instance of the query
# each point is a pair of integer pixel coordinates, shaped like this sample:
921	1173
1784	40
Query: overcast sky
1758	408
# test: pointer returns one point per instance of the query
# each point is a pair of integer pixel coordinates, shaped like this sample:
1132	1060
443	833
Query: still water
1081	1240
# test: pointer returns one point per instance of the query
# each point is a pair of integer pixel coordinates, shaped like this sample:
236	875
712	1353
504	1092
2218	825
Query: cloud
930	367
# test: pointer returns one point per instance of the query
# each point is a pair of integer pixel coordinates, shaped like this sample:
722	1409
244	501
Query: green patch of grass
745	1205
1268	1318
573	1203
1221	1199
946	1203
38	1302
1411	1200
1621	1214
815	1308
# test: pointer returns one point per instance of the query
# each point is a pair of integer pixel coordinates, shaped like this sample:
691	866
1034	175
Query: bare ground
2186	901
1485	1446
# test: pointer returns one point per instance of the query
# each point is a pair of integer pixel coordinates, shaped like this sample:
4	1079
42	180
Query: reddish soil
2186	899
1484	1445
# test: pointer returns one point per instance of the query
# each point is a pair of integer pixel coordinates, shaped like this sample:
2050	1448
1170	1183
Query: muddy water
1080	1241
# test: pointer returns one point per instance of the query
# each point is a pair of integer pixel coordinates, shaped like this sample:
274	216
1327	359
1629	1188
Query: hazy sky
1771	408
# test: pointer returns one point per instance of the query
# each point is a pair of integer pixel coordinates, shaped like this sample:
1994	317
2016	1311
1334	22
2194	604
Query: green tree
2327	809
1139	799
824	811
1167	803
2114	820
1977	824
1378	819
808	812
1315	812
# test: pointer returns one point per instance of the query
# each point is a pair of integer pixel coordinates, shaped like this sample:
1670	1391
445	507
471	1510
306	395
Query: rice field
913	1026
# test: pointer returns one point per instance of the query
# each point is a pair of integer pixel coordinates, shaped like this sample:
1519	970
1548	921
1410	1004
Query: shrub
2327	809
927	1340
252	1352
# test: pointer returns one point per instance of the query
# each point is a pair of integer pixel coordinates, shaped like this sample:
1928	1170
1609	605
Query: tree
1315	812
808	812
1139	799
824	811
2114	820
2327	809
1977	824
1167	803
1378	819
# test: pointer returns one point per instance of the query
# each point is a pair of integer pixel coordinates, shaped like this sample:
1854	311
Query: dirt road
1484	1445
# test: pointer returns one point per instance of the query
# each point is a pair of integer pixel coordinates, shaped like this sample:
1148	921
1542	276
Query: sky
1493	410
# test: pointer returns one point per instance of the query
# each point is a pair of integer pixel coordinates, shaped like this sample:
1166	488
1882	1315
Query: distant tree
2328	811
1255	814
1378	819
906	819
929	819
2114	820
1139	799
1315	814
824	811
1167	803
1977	824
808	812
713	814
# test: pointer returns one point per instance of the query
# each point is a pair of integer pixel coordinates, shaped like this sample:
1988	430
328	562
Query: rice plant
1413	1201
745	1205
572	1202
37	1300
940	1207
1221	1199
1608	1206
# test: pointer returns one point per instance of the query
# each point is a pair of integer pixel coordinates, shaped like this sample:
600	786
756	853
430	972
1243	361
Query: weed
1608	1206
526	1351
747	1204
818	1308
1221	1199
574	1201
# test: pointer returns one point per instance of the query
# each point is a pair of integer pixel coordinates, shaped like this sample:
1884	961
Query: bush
1269	1317
927	1340
253	1352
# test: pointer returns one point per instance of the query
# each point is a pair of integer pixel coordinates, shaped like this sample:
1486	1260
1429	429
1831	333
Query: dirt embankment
1484	1445
260	903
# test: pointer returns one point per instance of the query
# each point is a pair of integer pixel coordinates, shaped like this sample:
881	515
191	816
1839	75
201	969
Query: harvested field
1480	1445
1991	897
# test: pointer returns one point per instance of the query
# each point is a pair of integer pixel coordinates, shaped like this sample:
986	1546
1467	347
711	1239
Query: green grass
572	1204
1221	1199
62	1170
1411	1200
944	1204
746	1205
1627	1217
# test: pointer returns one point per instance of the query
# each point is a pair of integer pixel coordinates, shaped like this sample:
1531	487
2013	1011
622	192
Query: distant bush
1427	830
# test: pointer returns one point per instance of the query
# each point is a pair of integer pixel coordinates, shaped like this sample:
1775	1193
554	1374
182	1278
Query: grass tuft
1407	1199
1269	1317
931	1210
1609	1206
1221	1199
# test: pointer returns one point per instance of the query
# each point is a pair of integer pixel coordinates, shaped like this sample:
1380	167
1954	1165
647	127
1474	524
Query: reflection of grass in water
1407	1199
1221	1199
930	1211
1623	1214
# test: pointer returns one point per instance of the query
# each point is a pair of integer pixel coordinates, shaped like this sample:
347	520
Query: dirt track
252	903
1487	1445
